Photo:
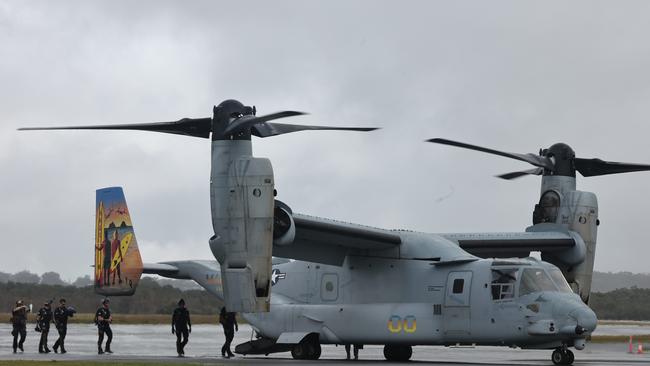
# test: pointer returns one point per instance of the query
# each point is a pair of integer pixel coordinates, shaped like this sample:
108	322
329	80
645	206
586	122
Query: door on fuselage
456	314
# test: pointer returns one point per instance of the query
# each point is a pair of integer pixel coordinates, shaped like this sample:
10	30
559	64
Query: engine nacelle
242	216
284	228
577	212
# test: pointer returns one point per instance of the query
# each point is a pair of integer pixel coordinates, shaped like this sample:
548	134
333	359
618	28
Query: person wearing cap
181	326
43	320
103	320
229	321
19	324
61	315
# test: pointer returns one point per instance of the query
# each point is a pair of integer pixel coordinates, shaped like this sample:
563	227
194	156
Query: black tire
558	357
389	353
569	357
397	353
298	352
405	353
316	354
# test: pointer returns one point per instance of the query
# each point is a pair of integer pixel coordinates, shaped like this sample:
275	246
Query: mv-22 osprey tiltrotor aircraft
353	284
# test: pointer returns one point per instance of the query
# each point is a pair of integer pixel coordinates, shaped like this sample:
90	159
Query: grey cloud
507	74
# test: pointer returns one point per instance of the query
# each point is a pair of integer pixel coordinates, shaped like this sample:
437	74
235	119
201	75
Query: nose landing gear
562	356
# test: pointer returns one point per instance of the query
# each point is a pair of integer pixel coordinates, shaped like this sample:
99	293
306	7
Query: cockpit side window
503	283
559	280
535	280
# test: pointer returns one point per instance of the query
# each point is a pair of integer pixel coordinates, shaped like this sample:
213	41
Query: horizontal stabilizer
161	269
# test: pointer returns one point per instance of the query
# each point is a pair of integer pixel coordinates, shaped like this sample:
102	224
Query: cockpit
510	280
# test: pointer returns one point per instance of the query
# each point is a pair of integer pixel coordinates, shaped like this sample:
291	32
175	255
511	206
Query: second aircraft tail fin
118	264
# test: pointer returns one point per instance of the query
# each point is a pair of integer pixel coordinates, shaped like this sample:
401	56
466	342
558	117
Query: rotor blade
593	167
515	175
197	127
274	129
536	160
246	122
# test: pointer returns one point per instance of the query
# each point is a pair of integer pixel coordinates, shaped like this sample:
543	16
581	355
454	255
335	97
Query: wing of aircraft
328	241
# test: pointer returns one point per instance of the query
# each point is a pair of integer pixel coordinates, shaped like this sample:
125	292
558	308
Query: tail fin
118	265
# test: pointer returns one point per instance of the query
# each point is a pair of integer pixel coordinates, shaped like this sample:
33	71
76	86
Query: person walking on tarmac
19	324
356	347
229	322
103	320
43	320
181	326
61	315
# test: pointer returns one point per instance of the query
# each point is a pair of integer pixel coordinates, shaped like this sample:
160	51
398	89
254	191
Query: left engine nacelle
242	216
284	228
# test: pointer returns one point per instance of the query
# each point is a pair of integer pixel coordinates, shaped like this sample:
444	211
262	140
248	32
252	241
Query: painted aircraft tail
118	264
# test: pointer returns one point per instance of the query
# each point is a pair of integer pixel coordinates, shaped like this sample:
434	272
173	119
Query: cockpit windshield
535	280
559	280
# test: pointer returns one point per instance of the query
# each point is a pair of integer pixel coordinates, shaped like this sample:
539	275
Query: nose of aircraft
578	317
585	318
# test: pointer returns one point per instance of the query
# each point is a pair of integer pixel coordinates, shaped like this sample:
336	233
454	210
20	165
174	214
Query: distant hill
609	281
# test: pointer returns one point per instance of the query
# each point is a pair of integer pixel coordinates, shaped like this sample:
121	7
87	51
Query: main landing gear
398	353
562	356
307	349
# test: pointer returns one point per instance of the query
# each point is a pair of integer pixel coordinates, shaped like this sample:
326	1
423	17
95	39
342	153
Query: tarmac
155	343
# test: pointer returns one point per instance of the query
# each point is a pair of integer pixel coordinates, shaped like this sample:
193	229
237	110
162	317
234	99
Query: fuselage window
503	283
458	286
535	280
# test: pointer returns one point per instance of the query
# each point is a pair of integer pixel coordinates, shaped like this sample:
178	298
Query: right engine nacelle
284	228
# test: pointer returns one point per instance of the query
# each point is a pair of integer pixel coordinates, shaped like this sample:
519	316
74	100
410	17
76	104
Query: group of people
44	318
181	326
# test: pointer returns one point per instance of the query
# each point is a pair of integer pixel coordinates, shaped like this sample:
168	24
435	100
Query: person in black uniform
43	320
103	320
181	326
356	351
61	315
19	323
229	321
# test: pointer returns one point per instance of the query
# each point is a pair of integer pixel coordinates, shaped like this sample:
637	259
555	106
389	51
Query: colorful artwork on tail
118	264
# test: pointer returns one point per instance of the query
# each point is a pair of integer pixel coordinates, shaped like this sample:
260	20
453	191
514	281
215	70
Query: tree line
150	298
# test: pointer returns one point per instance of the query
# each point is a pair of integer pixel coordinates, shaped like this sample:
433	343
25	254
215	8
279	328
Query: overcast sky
513	75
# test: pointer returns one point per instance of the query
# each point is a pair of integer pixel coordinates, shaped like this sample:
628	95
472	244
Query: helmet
105	301
181	302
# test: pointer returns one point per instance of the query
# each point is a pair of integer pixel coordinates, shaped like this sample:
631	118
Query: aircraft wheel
317	352
306	350
562	357
299	351
570	357
397	353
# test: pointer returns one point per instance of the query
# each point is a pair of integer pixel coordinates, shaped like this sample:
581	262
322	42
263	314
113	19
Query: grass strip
95	363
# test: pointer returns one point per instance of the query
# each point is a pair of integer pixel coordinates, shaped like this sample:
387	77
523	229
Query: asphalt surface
155	343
